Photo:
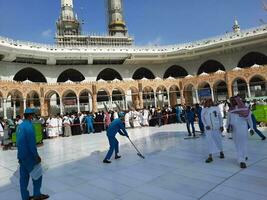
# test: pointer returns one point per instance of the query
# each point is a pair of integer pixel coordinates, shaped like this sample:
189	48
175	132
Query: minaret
68	23
117	26
236	27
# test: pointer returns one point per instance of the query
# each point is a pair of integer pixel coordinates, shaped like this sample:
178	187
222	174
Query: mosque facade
90	73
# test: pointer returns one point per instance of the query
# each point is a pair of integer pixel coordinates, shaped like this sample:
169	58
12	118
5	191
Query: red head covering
241	108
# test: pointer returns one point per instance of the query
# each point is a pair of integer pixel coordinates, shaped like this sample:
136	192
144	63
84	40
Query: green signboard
261	113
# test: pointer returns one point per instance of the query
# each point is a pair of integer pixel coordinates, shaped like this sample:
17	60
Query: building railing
185	46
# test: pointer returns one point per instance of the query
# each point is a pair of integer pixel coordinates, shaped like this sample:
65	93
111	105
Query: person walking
239	117
115	127
213	123
28	157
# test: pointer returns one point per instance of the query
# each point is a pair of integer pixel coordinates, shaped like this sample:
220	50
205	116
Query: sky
150	22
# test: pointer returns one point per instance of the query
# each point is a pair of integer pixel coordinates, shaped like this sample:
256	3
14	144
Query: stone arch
70	75
175	95
220	91
189	94
15	103
109	74
210	66
204	91
30	74
239	87
175	71
161	96
258	86
149	97
132	98
252	58
85	100
103	95
51	103
118	98
33	99
69	101
143	73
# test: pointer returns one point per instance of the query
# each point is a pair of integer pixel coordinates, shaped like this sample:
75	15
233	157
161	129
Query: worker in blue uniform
190	119
89	123
115	127
28	157
198	113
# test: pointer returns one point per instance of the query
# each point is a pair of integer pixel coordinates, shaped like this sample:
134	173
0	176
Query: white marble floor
174	168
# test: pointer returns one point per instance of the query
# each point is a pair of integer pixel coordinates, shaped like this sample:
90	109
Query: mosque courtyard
173	168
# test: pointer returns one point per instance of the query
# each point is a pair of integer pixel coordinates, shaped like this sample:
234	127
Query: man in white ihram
213	123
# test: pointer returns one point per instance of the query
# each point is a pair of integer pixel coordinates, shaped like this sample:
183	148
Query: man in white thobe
239	116
213	124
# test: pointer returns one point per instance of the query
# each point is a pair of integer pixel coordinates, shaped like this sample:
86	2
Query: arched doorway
162	96
85	101
204	91
149	97
239	86
189	95
70	75
118	99
143	73
109	75
220	91
52	103
103	100
15	104
175	96
69	102
175	71
210	66
30	74
257	86
132	98
33	101
252	58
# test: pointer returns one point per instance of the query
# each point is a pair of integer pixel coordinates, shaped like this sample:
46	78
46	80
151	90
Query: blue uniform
254	121
89	123
27	156
190	118
115	127
200	123
178	115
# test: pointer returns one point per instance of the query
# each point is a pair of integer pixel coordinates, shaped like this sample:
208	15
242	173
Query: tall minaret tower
68	23
236	27
116	26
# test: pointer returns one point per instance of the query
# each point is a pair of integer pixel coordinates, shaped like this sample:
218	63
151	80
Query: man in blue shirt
190	119
28	157
89	123
115	127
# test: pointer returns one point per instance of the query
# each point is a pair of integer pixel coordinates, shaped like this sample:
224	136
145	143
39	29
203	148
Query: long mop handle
138	152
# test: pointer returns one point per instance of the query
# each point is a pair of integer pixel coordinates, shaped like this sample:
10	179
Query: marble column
249	92
14	110
78	105
5	109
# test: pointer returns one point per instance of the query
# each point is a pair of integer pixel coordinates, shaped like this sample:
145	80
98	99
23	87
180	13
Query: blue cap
121	114
29	111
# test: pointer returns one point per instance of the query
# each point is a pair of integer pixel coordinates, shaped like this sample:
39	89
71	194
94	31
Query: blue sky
149	21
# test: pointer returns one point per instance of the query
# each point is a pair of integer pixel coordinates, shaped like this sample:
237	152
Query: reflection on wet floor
174	168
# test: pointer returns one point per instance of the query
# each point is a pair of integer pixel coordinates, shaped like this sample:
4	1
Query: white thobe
145	118
212	117
240	133
53	127
136	119
127	120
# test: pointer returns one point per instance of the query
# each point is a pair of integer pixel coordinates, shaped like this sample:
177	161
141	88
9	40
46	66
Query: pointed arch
30	74
109	74
72	75
210	66
252	58
175	71
143	73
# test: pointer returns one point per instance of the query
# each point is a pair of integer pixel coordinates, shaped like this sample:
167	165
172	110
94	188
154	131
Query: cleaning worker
28	157
115	127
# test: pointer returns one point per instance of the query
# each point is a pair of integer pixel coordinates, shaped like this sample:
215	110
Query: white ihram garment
127	120
239	126
53	127
212	117
145	118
